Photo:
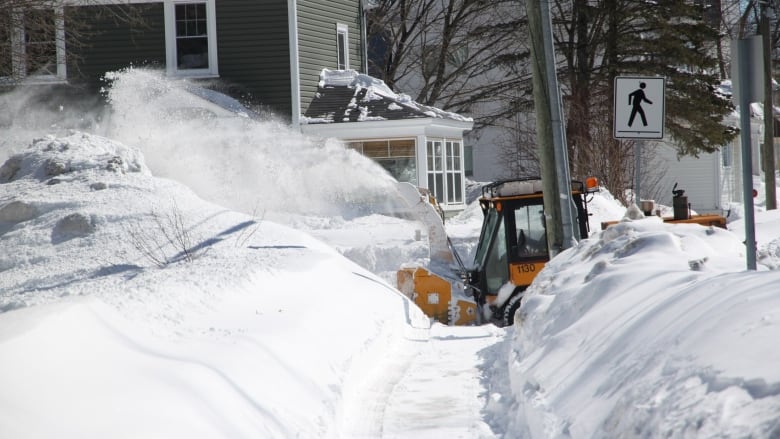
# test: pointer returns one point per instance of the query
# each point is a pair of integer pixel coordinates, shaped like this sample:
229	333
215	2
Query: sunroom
414	143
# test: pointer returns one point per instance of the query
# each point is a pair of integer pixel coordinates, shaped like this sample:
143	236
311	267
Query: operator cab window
497	266
530	232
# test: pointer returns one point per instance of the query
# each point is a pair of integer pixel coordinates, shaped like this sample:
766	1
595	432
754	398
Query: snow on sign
639	107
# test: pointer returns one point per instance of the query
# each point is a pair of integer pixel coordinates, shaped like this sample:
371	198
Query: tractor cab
512	247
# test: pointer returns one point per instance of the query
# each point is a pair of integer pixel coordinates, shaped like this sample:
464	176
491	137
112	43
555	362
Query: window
436	169
342	47
445	170
454	172
396	156
530	231
32	45
496	266
190	34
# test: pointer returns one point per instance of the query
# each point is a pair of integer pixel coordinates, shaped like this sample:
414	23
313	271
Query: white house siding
487	164
700	178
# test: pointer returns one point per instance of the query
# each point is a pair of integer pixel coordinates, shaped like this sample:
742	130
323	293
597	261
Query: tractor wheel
511	307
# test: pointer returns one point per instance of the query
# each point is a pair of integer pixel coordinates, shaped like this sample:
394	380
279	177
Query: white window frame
342	32
445	166
170	40
18	51
454	174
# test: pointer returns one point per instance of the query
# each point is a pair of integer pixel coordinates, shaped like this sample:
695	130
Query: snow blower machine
511	251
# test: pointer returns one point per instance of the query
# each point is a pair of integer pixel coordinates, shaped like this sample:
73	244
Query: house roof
349	96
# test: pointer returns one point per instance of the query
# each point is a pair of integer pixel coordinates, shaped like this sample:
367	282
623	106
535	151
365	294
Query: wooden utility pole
543	104
768	147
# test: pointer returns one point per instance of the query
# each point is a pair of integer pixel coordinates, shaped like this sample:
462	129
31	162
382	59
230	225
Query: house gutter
295	75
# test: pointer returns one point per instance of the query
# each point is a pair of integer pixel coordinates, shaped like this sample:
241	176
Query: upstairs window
192	40
190	33
32	45
342	47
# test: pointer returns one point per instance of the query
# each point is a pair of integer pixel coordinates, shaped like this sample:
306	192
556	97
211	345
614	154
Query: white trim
422	160
433	127
59	41
170	40
295	75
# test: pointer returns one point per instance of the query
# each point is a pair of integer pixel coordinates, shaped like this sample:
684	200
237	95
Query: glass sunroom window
435	155
445	170
396	156
454	172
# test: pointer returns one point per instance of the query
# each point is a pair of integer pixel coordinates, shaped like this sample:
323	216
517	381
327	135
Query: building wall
317	40
252	48
254	55
110	46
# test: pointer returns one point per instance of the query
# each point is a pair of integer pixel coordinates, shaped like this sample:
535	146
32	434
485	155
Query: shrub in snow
168	241
72	226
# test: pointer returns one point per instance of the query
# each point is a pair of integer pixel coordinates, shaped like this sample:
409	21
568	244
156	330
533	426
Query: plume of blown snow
245	164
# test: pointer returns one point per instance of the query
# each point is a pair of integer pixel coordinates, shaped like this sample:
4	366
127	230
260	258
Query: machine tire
511	307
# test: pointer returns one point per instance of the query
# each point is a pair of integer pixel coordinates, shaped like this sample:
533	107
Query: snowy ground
262	328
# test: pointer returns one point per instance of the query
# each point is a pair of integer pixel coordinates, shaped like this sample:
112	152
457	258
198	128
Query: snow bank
262	331
642	331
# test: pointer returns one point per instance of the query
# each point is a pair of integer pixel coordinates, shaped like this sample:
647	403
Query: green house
268	53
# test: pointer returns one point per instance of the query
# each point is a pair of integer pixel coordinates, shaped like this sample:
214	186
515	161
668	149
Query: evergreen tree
666	38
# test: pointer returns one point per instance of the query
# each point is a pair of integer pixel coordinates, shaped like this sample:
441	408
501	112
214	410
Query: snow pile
130	306
262	332
648	330
376	89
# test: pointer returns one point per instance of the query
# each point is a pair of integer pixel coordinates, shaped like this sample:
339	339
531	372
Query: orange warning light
591	184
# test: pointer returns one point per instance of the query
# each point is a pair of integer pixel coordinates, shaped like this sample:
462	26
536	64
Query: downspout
295	74
364	36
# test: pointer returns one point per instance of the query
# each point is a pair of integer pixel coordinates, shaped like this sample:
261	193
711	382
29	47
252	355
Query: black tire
511	307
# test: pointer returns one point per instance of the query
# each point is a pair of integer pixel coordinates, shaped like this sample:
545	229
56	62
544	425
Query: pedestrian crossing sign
639	107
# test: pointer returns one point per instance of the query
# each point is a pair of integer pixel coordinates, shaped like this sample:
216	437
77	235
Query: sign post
639	114
747	53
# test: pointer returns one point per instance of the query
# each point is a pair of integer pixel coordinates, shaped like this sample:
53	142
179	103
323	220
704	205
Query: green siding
317	40
110	46
253	47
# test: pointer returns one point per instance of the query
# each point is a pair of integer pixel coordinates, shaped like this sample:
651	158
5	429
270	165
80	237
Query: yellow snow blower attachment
438	289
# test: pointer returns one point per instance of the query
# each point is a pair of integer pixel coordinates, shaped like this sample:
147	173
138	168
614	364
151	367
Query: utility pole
768	147
553	157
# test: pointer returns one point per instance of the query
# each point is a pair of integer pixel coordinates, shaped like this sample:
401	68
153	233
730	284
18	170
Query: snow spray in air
209	142
240	162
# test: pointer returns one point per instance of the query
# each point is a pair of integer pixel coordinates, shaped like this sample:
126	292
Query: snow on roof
350	96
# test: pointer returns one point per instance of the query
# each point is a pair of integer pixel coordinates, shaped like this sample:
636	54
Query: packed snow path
428	388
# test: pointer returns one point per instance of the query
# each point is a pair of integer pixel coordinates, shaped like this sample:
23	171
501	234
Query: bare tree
518	151
458	55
